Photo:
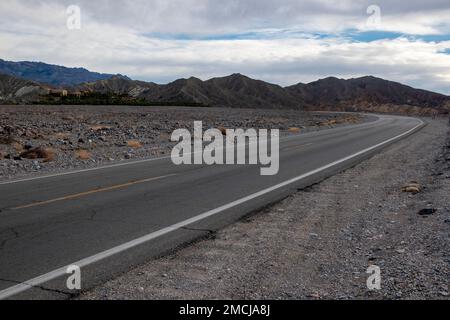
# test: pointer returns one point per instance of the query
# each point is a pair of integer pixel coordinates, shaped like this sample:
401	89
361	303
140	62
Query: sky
279	41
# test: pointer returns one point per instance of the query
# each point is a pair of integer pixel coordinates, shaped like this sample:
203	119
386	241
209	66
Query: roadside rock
412	187
427	212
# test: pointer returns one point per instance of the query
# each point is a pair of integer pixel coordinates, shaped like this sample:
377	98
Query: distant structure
59	92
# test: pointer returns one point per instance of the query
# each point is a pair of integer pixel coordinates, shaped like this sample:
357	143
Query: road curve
112	218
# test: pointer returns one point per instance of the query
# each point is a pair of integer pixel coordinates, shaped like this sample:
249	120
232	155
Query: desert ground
43	139
391	211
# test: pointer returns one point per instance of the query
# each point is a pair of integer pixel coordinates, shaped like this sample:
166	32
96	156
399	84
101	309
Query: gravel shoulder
318	243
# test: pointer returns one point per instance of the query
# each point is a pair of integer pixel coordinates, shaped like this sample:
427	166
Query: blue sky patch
370	36
353	35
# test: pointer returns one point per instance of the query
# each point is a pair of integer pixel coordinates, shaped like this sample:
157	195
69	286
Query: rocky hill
366	93
236	91
118	85
233	91
16	90
241	91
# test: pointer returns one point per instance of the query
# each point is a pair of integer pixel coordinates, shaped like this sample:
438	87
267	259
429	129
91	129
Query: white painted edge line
35	282
116	165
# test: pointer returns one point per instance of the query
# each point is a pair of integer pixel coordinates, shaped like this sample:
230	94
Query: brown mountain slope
239	91
180	91
367	93
17	90
236	91
117	85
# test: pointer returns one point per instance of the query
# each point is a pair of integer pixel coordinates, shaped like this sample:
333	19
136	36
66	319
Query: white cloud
216	17
112	39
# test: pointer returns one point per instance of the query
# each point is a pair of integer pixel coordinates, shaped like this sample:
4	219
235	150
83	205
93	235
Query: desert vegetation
46	138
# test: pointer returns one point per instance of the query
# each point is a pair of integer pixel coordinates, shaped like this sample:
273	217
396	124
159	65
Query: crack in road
15	233
93	215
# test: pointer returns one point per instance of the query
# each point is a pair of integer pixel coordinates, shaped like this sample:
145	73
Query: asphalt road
110	219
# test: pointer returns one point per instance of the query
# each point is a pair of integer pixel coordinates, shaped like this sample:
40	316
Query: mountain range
360	94
50	74
233	91
238	91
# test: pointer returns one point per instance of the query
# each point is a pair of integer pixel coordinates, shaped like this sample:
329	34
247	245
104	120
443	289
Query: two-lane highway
112	218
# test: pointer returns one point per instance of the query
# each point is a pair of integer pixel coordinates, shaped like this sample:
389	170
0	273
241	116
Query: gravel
319	243
103	133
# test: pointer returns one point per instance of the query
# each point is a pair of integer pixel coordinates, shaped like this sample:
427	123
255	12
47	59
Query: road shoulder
318	243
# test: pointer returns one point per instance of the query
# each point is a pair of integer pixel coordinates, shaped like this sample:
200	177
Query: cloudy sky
280	41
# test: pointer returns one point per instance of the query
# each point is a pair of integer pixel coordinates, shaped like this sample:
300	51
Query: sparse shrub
17	146
134	144
351	119
99	127
50	155
82	154
47	154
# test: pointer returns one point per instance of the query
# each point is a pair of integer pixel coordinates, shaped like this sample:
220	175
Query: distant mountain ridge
238	91
235	91
369	90
50	74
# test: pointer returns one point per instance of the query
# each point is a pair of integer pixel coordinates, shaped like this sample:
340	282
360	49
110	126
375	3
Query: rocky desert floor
36	140
316	244
320	242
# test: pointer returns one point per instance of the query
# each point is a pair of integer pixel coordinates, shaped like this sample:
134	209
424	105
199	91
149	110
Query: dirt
320	242
88	136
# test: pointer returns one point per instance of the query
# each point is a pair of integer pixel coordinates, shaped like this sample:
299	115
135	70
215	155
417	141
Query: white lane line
116	165
35	282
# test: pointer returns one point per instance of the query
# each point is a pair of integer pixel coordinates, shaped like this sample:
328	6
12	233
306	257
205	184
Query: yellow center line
82	194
